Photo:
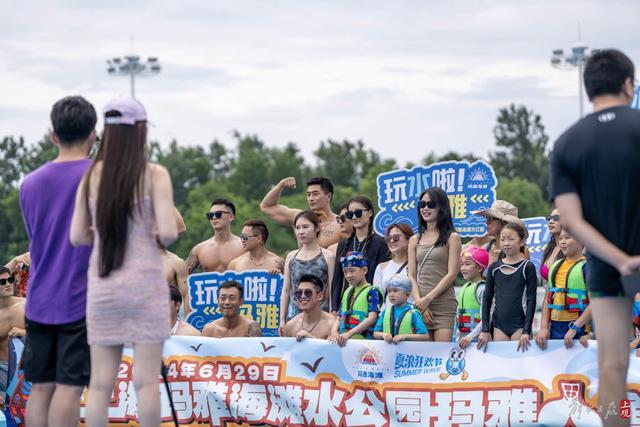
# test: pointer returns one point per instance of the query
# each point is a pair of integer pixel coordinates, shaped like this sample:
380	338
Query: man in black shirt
595	186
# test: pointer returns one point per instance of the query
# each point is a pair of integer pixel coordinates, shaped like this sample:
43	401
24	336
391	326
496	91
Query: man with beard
231	324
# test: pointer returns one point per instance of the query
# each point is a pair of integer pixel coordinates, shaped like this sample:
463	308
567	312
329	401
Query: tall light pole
132	66
578	56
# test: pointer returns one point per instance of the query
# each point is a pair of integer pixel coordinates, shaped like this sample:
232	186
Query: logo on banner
369	363
455	365
261	292
470	187
538	238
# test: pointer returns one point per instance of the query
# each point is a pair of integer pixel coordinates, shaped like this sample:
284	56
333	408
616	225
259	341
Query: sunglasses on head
341	219
308	293
8	280
393	238
424	204
216	214
354	213
555	218
246	237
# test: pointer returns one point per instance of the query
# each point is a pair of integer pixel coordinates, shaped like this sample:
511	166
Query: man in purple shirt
56	355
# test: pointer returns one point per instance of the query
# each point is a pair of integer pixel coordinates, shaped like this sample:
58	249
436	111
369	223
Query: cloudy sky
406	77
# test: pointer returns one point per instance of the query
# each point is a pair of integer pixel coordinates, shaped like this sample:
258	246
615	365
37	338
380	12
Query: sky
405	77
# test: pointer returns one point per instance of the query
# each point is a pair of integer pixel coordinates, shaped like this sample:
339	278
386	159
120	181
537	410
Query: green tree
14	238
432	157
522	147
346	163
12	151
249	168
189	167
525	195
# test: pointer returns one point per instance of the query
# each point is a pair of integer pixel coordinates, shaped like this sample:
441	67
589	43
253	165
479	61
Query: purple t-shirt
57	287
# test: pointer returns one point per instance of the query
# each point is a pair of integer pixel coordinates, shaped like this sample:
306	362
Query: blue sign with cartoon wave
470	187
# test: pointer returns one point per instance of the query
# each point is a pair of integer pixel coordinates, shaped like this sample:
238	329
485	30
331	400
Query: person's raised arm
570	208
80	232
271	206
162	198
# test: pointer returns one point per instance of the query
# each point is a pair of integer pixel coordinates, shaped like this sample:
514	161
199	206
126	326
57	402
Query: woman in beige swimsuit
434	261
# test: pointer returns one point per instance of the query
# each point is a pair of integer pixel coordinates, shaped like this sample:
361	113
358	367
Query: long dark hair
366	202
310	216
445	221
548	249
123	156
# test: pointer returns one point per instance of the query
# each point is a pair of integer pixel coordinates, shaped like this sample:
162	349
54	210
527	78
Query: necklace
255	262
314	325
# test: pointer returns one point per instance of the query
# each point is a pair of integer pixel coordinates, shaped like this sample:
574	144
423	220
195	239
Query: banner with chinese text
277	381
261	297
470	187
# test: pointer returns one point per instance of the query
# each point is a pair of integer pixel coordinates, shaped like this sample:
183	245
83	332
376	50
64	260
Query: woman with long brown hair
124	207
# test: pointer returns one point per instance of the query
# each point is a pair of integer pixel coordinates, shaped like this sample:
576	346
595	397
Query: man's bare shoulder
188	330
292	326
210	329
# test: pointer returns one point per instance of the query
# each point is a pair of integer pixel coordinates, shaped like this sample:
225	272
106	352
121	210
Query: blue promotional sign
636	99
261	298
470	187
538	238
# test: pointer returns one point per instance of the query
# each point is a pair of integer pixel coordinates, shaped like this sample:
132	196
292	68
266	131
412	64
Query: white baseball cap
130	109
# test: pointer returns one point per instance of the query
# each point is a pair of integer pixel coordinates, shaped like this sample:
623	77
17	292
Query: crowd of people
114	216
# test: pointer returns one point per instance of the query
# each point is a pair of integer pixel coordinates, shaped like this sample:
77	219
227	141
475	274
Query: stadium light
132	66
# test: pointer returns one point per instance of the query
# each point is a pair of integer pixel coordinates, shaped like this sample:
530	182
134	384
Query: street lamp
132	66
578	56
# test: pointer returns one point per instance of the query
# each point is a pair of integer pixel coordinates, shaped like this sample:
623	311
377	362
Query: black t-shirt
599	159
375	250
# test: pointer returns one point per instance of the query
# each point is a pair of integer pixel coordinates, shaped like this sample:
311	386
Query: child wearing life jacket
473	261
635	341
566	313
399	321
360	302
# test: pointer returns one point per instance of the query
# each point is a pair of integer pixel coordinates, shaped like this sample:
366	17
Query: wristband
573	326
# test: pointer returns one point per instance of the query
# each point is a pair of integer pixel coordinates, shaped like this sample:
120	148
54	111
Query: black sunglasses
308	293
556	218
9	280
393	238
424	204
246	237
216	214
356	212
341	219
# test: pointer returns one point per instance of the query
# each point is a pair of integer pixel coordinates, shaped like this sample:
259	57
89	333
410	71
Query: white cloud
406	77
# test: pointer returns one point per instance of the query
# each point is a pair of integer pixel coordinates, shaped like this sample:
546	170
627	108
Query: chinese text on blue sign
538	238
470	187
261	298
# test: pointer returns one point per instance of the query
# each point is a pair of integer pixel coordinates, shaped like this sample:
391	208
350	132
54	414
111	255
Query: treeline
246	172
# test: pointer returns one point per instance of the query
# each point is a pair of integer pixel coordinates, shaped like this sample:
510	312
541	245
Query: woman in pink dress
124	207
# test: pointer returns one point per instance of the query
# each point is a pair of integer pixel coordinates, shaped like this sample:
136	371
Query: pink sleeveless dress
131	305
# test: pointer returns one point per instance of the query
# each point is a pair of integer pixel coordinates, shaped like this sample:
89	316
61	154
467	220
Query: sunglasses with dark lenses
308	293
341	219
246	237
393	238
354	213
555	218
424	204
216	214
8	280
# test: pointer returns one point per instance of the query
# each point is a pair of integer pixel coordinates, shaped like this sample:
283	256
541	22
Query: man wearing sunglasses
254	238
312	322
319	195
216	253
11	324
